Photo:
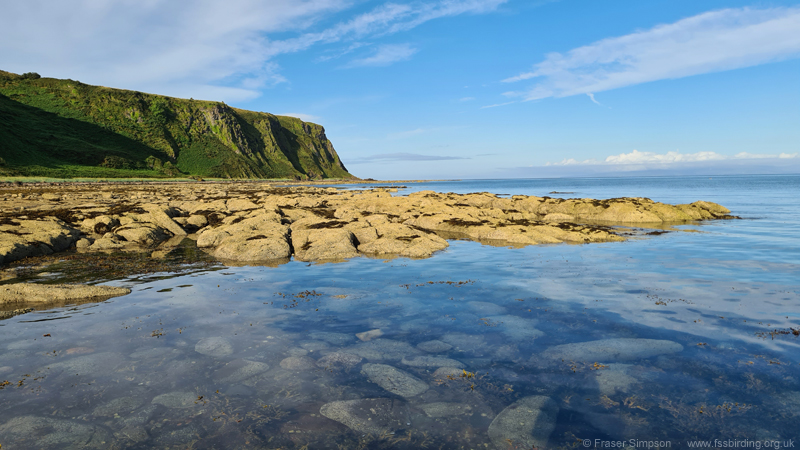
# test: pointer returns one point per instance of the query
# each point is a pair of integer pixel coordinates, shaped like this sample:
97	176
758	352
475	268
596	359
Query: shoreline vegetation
267	223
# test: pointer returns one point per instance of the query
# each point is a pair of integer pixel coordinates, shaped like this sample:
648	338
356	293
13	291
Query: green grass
65	129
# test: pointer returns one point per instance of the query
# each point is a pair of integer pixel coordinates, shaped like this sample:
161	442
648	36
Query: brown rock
43	293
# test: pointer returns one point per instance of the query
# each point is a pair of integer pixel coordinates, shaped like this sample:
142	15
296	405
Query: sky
444	89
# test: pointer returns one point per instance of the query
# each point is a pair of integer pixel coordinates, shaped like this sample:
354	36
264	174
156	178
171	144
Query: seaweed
465	223
327	225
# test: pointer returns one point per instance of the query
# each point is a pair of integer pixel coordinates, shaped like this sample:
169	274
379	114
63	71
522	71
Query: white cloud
591	96
194	48
649	158
497	104
710	42
386	19
466	99
385	55
301	116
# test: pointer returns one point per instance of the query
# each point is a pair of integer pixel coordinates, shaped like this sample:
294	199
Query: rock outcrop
44	293
259	222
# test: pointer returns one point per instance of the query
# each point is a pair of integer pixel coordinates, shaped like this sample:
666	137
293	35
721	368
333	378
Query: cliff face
62	128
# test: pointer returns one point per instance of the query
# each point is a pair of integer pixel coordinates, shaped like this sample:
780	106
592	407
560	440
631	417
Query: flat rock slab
332	338
298	363
383	349
240	370
432	361
50	433
434	346
611	350
214	346
525	424
94	364
394	380
120	405
339	360
178	400
44	293
445	409
369	415
614	379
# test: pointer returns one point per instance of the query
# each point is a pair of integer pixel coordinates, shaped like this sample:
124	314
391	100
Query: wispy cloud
497	104
710	42
302	116
384	20
466	99
637	158
591	97
200	49
385	55
386	157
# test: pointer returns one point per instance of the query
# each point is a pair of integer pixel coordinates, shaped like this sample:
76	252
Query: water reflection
409	354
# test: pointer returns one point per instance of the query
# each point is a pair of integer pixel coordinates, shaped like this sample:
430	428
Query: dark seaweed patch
123	208
214	218
465	223
326	225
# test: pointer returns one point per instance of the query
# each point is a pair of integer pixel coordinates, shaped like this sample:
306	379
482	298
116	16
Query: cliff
64	128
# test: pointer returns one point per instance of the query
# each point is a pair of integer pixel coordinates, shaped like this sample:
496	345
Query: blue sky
459	88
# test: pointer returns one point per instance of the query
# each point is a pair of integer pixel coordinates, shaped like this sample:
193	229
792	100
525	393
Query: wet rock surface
258	222
394	380
46	293
527	423
214	346
370	415
611	350
52	433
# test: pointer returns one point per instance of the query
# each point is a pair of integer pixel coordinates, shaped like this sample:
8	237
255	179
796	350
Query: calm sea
245	357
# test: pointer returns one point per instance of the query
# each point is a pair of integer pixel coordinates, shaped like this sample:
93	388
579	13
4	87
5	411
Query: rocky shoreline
262	223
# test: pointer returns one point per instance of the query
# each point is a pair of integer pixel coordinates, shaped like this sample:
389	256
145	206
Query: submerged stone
383	349
121	405
614	378
50	433
610	350
444	409
240	370
339	360
332	338
178	399
93	364
369	335
516	327
376	416
527	423
214	346
443	373
394	380
432	361
434	346
298	363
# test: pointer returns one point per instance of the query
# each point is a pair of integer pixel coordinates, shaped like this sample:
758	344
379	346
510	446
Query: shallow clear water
245	357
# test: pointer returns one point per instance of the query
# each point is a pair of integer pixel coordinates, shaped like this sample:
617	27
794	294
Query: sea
680	337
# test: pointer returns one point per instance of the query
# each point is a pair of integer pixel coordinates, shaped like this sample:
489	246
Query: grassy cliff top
64	129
